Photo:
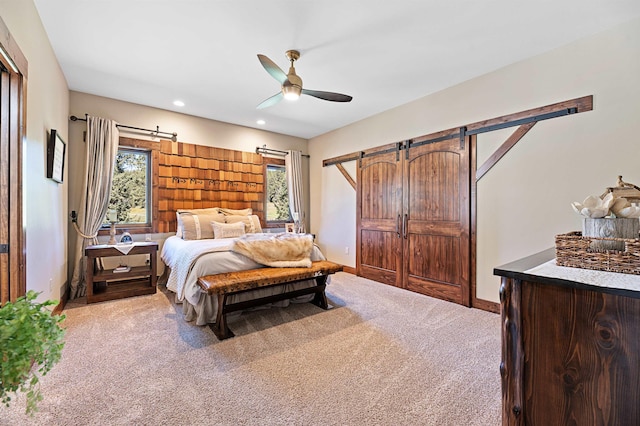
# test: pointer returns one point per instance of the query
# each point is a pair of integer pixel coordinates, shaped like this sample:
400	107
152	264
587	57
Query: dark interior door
379	206
12	254
436	212
4	186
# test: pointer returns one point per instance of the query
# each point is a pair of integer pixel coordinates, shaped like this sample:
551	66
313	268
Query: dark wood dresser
570	350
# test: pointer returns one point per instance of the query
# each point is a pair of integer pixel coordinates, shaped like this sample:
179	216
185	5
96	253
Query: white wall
190	129
523	202
45	202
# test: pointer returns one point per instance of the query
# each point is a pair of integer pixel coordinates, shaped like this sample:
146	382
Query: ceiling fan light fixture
291	92
291	88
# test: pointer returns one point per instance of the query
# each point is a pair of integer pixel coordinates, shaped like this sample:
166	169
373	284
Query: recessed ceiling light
178	103
261	122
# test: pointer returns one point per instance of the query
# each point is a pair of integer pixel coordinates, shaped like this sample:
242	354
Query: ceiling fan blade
270	101
272	69
328	96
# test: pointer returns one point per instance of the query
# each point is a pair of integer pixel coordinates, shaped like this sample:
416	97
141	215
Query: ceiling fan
292	84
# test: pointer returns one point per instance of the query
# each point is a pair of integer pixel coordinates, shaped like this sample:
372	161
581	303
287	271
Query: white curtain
101	150
293	167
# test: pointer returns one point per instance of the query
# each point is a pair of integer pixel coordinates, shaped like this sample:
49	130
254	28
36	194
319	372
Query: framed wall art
56	150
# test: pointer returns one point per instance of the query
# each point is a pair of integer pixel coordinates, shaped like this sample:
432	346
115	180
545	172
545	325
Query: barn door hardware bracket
526	120
360	157
4	248
399	146
363	154
463	134
433	140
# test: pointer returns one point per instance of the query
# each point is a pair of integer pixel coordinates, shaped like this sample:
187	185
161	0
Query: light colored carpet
380	356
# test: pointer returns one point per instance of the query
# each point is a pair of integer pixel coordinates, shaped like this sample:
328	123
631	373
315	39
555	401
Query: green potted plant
31	342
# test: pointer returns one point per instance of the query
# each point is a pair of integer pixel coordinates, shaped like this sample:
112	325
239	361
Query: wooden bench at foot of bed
230	283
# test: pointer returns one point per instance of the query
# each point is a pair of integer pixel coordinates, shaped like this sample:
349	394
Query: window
277	196
131	188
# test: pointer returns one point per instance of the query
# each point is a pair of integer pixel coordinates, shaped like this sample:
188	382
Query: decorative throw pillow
227	230
196	226
211	210
232	212
178	226
251	223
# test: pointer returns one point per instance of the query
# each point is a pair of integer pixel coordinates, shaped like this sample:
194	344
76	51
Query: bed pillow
211	210
232	212
227	230
251	223
197	226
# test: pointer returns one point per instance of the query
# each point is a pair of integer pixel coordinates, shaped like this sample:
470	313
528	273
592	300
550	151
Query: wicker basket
574	250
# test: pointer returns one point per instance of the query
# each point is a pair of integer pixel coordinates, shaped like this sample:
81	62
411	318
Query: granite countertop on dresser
541	267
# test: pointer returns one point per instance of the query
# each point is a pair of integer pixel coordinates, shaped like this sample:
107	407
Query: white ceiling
383	53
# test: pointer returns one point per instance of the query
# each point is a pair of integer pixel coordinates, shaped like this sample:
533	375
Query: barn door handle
398	226
405	225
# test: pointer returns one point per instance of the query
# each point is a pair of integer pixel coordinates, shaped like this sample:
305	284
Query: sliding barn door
379	203
436	215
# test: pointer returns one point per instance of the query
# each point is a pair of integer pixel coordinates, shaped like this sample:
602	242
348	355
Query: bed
187	260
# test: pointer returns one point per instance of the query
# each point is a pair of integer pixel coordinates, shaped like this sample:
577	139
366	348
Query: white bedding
191	259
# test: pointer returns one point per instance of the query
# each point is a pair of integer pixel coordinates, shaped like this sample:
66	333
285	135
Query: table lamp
112	217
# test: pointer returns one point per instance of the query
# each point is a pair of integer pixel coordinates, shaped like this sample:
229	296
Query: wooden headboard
196	176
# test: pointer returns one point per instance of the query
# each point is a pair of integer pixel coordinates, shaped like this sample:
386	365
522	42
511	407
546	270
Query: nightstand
108	285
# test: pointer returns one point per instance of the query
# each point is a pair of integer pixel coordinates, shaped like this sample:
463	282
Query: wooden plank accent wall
196	176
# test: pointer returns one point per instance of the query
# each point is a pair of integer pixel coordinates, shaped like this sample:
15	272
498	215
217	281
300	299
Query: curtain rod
269	151
174	135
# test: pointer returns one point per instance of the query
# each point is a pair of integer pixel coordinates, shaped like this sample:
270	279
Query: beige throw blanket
284	250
